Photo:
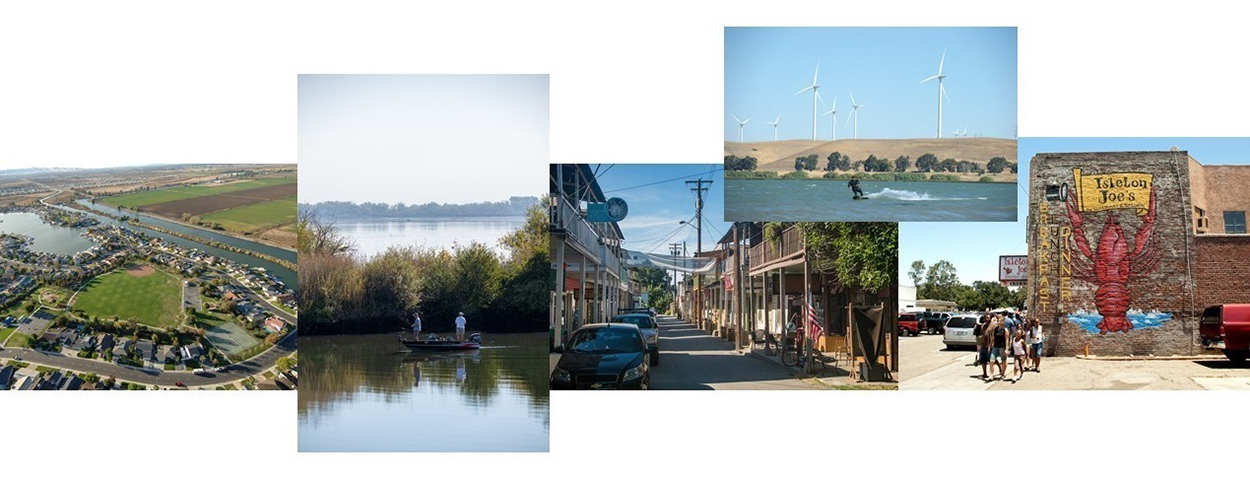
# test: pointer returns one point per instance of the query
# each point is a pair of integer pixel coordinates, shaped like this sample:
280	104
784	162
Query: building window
1235	222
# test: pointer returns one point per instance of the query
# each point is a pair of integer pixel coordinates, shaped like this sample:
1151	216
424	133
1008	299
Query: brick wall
1065	300
1220	269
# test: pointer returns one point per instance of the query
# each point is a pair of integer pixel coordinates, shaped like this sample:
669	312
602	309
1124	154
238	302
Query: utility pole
674	249
698	189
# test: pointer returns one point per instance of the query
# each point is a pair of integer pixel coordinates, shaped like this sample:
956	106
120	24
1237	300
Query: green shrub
909	177
943	177
986	179
885	177
750	175
795	176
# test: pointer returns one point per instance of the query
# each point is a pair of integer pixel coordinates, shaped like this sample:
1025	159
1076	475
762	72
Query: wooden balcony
788	248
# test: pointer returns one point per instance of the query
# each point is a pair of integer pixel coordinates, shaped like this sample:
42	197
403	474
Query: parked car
1227	328
603	356
650	332
180	384
958	331
934	322
199	371
908	324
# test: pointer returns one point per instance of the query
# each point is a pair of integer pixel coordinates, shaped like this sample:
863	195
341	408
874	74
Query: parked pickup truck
908	324
934	322
1227	328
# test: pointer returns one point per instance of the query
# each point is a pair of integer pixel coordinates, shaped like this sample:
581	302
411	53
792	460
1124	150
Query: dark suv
605	356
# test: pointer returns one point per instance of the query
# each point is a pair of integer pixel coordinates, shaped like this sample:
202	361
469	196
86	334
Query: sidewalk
837	377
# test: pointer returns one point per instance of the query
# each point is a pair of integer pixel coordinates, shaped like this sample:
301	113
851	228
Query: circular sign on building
617	209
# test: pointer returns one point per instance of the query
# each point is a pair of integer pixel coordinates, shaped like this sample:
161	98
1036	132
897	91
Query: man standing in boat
460	322
416	326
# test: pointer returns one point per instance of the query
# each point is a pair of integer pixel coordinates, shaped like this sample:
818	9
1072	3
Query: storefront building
1127	248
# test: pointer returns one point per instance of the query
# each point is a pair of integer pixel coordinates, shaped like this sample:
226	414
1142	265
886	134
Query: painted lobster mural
1113	266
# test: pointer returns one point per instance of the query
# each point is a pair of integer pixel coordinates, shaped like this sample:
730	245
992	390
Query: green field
153	299
152	197
257	216
5	332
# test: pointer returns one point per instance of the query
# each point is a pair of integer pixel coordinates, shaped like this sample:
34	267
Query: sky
974	247
422	138
656	210
882	67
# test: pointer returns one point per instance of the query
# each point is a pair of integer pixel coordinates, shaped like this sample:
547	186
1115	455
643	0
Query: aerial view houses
103	303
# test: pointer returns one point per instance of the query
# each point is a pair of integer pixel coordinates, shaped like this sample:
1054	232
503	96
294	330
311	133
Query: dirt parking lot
926	364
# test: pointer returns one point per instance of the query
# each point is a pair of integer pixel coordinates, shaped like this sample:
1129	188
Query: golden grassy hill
779	156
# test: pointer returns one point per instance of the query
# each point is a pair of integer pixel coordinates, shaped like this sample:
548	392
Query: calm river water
374	236
370	393
830	201
47	238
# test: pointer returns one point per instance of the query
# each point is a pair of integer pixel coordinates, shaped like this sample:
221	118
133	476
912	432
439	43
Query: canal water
374	236
287	276
279	253
830	201
46	238
370	393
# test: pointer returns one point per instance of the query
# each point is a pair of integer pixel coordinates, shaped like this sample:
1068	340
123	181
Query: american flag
814	330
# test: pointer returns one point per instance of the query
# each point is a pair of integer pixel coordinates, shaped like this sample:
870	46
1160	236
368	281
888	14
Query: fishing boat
473	342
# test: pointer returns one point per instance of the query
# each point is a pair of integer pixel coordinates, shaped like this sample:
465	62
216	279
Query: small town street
239	371
926	364
690	359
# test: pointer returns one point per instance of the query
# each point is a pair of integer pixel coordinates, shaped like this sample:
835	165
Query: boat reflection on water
458	358
370	393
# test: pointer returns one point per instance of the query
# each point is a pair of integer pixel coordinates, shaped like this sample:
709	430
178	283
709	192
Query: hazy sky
883	67
422	138
974	247
659	200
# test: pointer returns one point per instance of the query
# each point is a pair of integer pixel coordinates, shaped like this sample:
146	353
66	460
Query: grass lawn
152	197
250	218
18	340
151	299
5	332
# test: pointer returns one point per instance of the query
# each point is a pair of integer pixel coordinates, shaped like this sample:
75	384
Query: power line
663	181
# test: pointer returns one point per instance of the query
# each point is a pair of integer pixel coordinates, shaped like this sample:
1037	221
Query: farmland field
222	201
139	293
152	197
256	216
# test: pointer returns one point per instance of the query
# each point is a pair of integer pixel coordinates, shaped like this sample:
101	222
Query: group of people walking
1004	335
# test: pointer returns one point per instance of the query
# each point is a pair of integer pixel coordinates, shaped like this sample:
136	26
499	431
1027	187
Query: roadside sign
1013	270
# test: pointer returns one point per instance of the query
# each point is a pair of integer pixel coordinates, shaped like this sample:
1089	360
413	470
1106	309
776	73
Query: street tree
941	282
916	274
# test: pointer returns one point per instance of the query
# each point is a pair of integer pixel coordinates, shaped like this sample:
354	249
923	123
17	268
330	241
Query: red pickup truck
908	324
1227	328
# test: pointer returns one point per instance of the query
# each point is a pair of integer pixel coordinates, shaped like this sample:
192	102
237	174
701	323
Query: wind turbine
854	115
774	124
815	97
834	111
941	91
741	123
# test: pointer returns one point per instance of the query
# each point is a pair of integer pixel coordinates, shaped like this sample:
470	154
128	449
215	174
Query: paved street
239	371
690	359
925	364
